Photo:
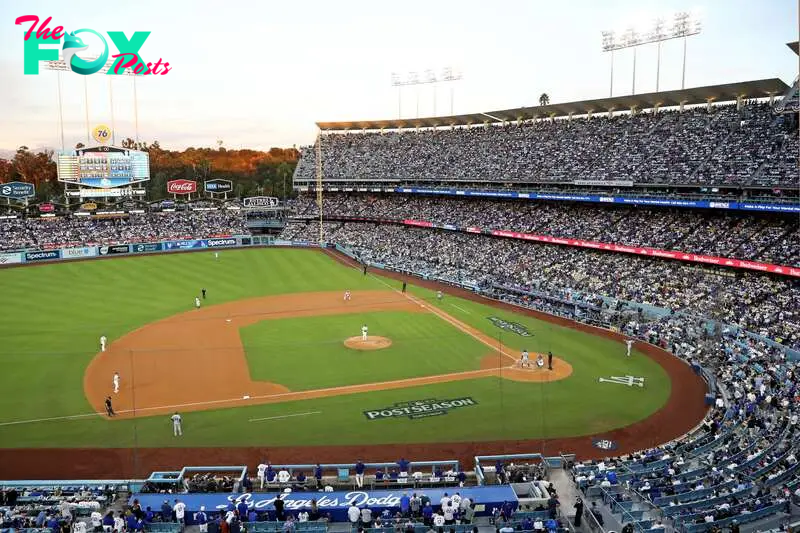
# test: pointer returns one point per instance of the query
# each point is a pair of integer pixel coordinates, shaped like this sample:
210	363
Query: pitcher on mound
364	330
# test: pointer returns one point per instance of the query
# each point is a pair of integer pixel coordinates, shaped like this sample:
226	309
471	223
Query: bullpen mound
372	343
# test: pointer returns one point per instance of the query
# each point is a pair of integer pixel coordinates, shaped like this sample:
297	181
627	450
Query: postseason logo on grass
419	408
517	328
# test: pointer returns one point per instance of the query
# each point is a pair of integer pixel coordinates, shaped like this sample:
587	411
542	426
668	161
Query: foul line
284	416
461	309
447	318
49	419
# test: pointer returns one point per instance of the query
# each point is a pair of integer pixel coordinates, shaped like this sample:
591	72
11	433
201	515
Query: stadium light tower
684	25
60	66
429	77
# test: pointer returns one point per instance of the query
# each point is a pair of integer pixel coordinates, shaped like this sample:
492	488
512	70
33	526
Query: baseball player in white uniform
364	330
197	302
116	382
629	344
540	361
346	296
262	473
103	341
176	424
216	255
523	360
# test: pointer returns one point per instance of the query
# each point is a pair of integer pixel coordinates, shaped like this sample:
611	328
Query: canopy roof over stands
698	95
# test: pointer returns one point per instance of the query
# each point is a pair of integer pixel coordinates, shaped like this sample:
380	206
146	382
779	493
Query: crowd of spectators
762	304
720	146
772	239
21	233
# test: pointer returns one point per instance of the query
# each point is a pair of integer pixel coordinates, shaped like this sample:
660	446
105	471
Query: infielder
364	330
523	360
196	302
116	382
176	424
629	343
103	341
346	296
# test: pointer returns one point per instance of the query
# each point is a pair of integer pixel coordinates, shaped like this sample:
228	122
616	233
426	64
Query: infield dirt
204	348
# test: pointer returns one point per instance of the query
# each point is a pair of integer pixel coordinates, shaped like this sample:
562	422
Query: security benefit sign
17	190
515	327
419	408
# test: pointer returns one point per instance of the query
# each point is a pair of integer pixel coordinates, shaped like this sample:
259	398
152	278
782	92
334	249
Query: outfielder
116	382
346	296
103	341
364	330
439	295
176	424
629	343
197	302
523	360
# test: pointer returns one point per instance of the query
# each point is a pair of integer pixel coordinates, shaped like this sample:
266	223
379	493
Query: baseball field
273	365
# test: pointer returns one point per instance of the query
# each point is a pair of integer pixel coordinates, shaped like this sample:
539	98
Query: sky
257	74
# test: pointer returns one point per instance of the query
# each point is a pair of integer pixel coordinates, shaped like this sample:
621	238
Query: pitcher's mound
372	343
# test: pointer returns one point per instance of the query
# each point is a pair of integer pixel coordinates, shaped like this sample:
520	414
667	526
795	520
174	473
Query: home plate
245	397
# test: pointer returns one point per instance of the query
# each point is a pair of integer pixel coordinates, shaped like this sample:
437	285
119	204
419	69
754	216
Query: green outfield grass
54	314
308	353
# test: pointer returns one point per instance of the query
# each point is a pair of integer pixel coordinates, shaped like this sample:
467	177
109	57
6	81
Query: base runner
115	380
540	361
196	302
523	360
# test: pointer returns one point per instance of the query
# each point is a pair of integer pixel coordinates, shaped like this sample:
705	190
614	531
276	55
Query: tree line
253	172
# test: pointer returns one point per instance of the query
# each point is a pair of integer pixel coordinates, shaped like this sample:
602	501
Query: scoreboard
103	167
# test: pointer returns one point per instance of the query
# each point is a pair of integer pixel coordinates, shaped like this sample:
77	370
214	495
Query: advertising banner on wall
10	258
185	245
73	253
43	255
216	243
113	249
181	187
46	208
336	503
146	247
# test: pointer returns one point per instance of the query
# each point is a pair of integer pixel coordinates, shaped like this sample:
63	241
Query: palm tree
544	99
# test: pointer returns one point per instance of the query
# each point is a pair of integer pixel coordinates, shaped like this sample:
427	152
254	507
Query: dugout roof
698	95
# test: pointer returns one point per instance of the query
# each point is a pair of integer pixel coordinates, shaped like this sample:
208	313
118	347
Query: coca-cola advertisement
181	187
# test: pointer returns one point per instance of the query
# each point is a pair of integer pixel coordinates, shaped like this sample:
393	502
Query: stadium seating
771	239
723	146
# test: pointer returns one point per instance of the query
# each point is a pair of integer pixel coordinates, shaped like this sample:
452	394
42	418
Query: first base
246	397
227	320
